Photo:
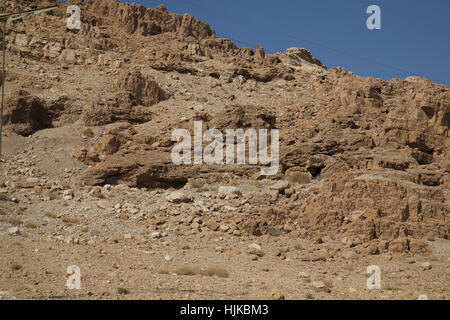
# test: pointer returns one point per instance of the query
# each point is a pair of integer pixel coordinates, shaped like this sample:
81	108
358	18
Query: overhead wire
314	43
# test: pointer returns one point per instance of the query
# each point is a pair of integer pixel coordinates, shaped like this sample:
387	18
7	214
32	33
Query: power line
314	43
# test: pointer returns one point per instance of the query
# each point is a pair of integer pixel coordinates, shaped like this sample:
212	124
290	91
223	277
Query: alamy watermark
374	281
235	140
74	280
74	21
374	20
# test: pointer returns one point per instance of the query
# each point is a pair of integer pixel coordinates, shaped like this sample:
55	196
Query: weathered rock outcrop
121	107
145	91
367	158
24	113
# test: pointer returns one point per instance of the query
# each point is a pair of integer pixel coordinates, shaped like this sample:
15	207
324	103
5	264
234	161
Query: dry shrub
216	272
31	225
187	271
70	220
122	290
299	178
15	221
51	215
16	267
209	272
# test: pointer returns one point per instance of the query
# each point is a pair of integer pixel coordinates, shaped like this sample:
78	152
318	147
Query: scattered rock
255	249
280	186
426	266
68	195
289	192
255	246
227	190
274	195
14	231
258	176
304	275
317	240
321	286
276	295
347	242
348	254
97	192
179	197
213	226
156	235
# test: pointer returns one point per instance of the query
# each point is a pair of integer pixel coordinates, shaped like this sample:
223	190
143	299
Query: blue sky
414	35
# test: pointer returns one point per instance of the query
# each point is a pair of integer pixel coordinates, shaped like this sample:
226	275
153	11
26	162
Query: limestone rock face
361	158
